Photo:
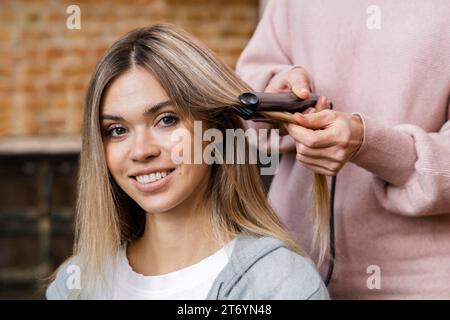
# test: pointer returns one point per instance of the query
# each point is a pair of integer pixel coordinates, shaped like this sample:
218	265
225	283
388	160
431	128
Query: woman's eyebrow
152	109
149	111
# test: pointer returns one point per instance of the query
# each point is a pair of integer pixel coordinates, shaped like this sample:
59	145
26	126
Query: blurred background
44	71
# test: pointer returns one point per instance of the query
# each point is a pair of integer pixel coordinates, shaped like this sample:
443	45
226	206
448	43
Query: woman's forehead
135	89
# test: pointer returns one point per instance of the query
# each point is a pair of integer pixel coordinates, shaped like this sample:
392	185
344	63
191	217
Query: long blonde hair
201	87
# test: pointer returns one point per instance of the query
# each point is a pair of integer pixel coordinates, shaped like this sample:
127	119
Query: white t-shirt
190	283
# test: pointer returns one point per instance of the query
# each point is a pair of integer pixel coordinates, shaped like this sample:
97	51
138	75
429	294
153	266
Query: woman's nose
144	147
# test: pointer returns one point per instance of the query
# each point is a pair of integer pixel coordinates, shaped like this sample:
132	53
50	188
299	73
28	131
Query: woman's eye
167	120
115	132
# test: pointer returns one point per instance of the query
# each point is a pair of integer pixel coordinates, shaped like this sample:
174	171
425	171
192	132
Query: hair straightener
267	107
259	106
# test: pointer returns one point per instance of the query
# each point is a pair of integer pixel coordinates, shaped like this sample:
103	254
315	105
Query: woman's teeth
152	177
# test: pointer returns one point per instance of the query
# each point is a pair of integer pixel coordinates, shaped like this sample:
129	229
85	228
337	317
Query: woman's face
137	120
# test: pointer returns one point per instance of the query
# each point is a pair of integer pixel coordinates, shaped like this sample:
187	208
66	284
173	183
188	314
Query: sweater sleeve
267	55
411	167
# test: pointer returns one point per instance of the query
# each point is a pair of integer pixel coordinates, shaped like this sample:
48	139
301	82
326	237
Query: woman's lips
152	186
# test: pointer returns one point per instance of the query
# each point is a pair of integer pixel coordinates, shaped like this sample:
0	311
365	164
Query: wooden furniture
37	202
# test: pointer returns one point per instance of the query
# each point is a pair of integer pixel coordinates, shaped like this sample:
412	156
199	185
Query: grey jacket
263	268
259	268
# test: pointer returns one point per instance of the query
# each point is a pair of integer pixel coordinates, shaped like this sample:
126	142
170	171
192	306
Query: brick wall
45	67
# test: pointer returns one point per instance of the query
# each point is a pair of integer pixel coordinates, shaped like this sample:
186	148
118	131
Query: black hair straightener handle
261	106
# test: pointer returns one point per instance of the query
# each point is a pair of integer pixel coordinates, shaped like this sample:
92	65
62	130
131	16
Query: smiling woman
148	228
138	120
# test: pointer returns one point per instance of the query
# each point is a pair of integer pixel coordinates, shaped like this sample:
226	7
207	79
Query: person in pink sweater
386	69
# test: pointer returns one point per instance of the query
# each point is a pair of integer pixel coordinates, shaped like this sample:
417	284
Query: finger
298	132
298	81
330	168
278	84
295	80
277	87
332	154
319	170
323	163
322	103
312	138
316	120
301	92
283	81
309	110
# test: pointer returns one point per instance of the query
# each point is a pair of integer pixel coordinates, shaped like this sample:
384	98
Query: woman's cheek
115	158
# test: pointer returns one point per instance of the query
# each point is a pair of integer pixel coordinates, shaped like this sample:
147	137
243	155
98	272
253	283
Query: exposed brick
54	53
45	68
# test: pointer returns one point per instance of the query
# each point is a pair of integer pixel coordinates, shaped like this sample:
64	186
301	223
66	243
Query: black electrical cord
332	248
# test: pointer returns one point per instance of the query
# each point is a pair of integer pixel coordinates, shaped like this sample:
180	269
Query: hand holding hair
326	140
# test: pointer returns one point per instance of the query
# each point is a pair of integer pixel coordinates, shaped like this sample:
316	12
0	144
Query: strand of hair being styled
320	196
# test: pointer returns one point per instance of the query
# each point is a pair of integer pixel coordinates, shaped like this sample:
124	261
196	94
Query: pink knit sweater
392	207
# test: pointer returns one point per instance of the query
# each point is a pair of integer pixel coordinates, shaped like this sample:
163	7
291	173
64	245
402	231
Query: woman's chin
156	207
